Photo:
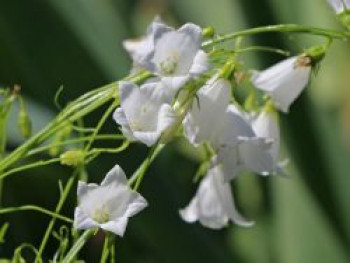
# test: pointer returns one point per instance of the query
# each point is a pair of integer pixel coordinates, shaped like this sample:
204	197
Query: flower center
169	64
101	214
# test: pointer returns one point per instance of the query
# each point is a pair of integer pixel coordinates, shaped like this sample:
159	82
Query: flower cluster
187	89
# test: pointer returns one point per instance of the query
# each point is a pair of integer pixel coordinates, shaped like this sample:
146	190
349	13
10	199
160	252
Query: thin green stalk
100	124
288	28
29	166
35	208
78	245
77	140
59	206
105	250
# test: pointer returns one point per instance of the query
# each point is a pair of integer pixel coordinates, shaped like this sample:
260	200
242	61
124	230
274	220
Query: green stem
29	166
288	28
77	140
105	250
78	245
35	208
59	206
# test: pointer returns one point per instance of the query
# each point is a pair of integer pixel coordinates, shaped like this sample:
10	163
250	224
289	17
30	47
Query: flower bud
72	157
208	32
24	123
60	137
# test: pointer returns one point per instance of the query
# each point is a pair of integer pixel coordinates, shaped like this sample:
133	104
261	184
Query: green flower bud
60	137
208	32
23	121
72	157
344	18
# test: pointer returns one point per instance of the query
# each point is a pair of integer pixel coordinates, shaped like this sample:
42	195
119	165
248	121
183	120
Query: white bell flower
176	56
109	205
213	205
284	81
144	113
339	6
249	152
205	119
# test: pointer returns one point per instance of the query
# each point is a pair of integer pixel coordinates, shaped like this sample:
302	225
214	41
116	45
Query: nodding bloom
284	81
176	55
228	130
339	6
109	205
144	113
213	205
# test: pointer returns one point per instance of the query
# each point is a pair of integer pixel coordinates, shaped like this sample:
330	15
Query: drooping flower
145	112
228	130
339	6
176	55
213	205
284	81
205	119
109	205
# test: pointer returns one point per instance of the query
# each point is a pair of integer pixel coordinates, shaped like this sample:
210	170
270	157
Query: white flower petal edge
284	81
213	205
144	113
109	205
339	5
141	49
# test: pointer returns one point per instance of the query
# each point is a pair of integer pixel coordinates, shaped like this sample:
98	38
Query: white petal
200	63
119	117
82	221
190	213
229	160
283	82
115	175
338	6
148	138
175	83
117	227
347	4
83	188
265	126
130	98
137	203
255	155
166	118
213	99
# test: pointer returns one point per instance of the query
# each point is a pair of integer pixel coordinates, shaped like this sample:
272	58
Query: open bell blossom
213	205
176	55
284	81
339	6
144	113
107	206
248	152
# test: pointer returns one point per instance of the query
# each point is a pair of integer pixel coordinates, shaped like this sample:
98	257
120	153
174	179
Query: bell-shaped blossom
109	205
284	81
339	6
144	113
213	205
249	151
176	55
205	119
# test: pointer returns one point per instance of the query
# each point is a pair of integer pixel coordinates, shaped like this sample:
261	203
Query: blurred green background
77	44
